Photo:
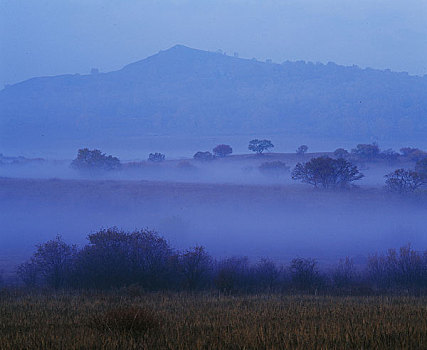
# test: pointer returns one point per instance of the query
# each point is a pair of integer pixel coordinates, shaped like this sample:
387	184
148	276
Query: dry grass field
132	320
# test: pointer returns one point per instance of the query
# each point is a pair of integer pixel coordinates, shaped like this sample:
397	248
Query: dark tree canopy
304	273
156	157
341	153
403	181
114	257
389	155
204	156
51	264
95	160
302	149
414	154
196	265
366	151
222	150
260	146
326	172
421	168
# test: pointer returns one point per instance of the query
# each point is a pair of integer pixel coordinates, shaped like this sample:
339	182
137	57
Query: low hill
183	91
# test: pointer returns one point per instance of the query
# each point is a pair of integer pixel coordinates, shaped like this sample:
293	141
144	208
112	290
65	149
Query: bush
156	157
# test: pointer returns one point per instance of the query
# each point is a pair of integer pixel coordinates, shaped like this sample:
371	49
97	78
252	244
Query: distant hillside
183	91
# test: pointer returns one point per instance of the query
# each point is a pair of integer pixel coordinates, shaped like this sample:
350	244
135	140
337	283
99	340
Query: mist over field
213	174
305	77
227	205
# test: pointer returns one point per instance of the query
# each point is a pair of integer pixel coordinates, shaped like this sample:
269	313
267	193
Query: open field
128	320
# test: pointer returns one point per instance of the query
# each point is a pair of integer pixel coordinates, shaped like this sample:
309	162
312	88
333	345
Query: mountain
183	91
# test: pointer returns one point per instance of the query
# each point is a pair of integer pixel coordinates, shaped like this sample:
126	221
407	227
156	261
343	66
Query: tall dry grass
203	321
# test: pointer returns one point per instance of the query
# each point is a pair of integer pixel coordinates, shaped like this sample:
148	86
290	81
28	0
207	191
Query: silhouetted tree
344	274
222	150
94	160
156	157
52	263
115	258
259	146
326	172
267	274
366	151
232	274
196	265
404	269
204	156
302	150
304	274
341	153
403	181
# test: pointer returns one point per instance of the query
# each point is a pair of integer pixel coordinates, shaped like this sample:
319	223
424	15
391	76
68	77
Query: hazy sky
48	37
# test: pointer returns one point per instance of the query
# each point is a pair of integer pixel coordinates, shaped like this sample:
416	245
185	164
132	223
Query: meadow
132	319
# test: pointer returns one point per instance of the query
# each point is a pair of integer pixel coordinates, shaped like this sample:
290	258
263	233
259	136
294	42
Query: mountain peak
177	54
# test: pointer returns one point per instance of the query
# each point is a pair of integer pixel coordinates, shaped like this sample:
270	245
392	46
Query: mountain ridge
183	90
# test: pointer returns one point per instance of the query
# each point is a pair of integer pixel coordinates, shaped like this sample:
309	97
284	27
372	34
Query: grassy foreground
183	321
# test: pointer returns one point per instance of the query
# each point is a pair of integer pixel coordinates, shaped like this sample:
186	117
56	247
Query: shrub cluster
114	258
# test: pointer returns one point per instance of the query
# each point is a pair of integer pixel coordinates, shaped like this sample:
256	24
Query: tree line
340	170
114	258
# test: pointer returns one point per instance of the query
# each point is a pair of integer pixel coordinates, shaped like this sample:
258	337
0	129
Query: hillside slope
183	91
